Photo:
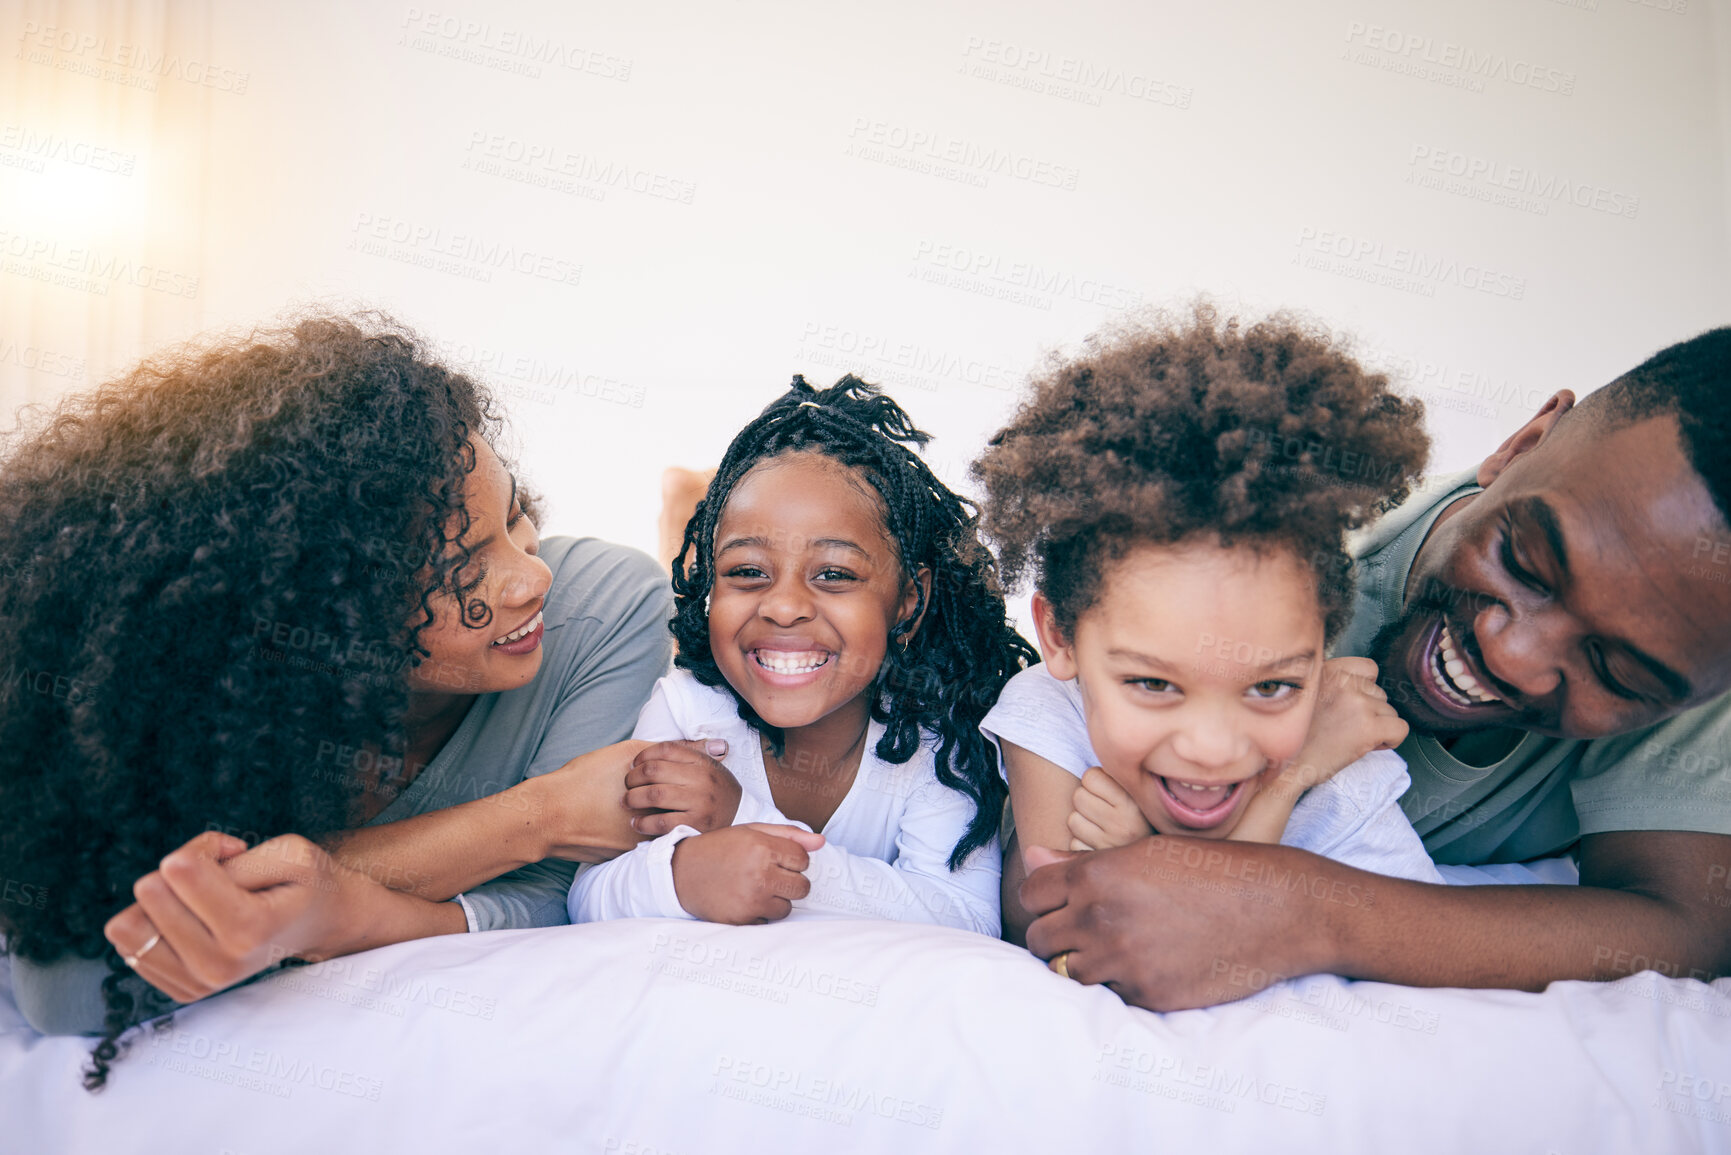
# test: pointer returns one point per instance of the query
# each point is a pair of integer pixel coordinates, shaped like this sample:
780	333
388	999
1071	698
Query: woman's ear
916	596
1055	649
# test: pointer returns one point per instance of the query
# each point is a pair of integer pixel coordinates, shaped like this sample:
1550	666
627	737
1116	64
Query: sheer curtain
104	130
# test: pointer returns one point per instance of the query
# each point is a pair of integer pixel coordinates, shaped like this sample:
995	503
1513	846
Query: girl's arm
739	874
634	885
1042	798
1352	719
1356	819
918	886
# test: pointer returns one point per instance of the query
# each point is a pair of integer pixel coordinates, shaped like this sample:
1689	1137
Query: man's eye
1513	564
1603	671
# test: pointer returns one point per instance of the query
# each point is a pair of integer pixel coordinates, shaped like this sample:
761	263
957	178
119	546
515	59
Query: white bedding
654	1037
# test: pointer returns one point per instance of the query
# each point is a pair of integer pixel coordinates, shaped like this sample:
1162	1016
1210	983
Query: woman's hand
601	804
744	874
224	913
579	809
684	784
1104	814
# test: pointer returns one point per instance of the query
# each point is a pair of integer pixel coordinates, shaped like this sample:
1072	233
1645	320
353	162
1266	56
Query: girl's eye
831	574
1273	691
744	571
1153	685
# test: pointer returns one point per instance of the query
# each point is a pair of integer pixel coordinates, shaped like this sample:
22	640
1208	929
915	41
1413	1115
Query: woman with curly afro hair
288	675
1181	493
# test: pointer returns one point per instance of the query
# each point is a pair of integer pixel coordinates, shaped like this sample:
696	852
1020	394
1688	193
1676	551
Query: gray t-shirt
1544	793
605	643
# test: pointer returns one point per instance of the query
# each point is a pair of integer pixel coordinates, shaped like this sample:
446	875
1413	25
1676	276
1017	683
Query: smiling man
1556	628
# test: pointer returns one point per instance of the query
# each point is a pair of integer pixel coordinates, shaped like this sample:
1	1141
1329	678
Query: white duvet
656	1037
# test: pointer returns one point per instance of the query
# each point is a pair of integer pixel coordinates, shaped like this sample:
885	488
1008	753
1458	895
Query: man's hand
1171	923
684	784
1164	921
1104	814
224	913
744	874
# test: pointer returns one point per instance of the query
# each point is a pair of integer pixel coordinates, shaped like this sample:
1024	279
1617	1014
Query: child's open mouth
1198	806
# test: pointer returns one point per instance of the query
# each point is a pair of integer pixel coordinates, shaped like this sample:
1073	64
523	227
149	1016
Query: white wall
1255	149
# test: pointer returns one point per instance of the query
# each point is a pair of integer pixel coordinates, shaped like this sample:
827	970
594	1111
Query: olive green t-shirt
1538	798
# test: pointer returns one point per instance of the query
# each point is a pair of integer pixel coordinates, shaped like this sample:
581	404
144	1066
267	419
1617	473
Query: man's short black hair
1690	381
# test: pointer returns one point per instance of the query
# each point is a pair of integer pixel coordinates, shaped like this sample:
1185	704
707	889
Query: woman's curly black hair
213	567
942	682
1170	427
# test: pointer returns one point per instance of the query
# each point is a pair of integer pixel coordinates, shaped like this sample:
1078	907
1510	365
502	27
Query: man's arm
1172	923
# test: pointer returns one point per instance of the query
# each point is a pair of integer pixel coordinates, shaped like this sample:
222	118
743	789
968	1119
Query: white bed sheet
655	1037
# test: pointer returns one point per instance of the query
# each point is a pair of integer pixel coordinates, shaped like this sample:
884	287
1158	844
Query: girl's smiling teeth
1199	806
520	633
791	661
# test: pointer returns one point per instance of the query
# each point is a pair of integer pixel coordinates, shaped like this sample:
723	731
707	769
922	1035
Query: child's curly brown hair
1169	427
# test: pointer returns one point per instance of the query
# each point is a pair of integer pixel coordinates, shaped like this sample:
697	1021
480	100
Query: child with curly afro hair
1181	492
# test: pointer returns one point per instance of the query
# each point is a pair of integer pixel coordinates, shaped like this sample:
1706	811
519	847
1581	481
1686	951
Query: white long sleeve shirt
886	849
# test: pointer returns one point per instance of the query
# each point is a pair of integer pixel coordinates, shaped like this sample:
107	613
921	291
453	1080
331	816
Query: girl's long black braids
941	680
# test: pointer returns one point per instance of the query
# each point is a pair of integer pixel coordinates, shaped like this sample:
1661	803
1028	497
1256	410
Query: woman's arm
619	599
216	913
577	813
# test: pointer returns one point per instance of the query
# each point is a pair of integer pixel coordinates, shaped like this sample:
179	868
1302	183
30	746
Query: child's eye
744	571
831	574
1274	691
1153	685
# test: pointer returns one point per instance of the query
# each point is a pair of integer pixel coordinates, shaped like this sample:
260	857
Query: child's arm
1042	797
1352	718
1361	823
739	874
918	884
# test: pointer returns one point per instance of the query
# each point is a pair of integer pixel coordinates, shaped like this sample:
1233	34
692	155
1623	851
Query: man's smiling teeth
791	661
1451	676
519	634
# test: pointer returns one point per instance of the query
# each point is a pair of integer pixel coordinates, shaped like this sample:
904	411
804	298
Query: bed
658	1037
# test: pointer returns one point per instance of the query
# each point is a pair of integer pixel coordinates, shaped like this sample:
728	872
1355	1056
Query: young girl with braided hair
1181	492
841	628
